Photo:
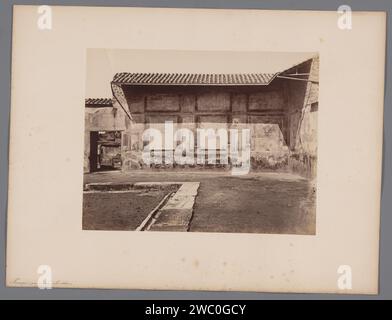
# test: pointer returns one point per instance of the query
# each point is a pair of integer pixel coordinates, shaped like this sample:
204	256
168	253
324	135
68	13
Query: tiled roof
193	78
99	102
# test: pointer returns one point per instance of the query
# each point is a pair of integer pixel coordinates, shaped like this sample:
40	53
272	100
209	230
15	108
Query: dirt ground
120	211
279	203
255	205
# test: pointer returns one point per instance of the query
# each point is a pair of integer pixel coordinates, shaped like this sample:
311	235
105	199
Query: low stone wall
133	160
269	161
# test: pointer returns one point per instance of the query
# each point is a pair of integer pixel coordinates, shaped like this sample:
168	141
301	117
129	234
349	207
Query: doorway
105	151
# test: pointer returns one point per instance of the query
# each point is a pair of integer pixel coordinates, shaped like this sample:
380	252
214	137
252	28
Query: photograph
201	141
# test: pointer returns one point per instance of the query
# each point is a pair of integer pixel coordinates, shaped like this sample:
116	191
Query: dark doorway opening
105	150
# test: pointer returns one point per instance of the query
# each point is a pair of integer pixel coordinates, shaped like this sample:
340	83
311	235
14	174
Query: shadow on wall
302	120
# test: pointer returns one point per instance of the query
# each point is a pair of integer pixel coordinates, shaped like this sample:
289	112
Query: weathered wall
302	121
282	118
101	119
261	109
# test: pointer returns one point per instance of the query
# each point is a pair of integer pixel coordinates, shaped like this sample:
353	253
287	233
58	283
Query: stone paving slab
184	197
173	217
177	212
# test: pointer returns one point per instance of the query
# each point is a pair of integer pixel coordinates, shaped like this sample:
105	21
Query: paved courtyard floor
269	202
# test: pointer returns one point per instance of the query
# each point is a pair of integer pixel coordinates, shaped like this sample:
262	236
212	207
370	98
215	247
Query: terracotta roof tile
98	102
193	79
